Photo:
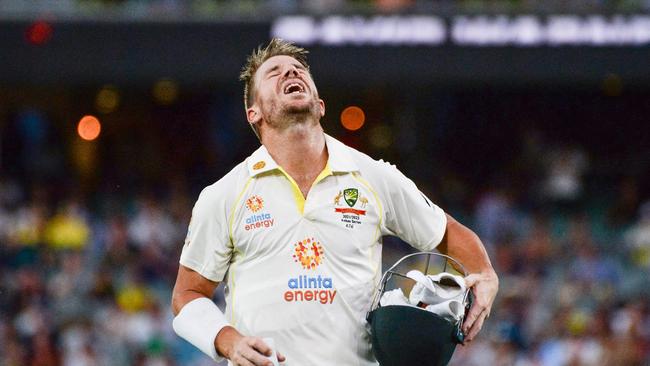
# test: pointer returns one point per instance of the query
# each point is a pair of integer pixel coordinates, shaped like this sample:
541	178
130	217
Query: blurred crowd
573	286
81	288
89	283
255	8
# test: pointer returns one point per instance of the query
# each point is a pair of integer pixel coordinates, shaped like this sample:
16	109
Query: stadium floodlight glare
357	30
89	127
464	30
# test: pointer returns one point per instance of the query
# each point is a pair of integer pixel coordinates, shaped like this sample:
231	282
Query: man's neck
300	150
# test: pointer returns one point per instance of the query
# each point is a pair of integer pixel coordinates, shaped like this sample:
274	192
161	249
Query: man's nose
290	71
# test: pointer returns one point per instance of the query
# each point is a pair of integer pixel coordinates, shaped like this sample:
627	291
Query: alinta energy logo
309	254
260	220
255	203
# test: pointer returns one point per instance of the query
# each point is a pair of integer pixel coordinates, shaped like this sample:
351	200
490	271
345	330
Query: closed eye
273	72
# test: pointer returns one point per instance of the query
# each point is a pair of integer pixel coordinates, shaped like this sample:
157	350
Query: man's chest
341	212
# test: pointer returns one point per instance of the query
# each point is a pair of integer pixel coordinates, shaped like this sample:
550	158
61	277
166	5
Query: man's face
284	93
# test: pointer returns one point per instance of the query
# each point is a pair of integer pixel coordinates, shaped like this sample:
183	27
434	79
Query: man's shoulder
379	174
353	159
369	165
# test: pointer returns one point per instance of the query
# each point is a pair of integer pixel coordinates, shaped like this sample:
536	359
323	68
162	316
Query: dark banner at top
362	50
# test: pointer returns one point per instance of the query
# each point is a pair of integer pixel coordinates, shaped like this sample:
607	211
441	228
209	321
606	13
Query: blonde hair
276	47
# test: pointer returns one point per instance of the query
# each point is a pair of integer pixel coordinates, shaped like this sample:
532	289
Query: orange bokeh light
353	118
89	128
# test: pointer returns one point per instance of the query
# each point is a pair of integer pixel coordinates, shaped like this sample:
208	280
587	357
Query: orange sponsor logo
255	203
308	253
309	288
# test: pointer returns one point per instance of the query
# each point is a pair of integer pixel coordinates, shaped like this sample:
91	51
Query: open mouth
294	88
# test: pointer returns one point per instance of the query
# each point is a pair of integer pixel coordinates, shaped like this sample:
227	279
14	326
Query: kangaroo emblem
364	202
337	199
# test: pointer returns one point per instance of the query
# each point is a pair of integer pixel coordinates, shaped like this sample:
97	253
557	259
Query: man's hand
465	246
484	287
244	351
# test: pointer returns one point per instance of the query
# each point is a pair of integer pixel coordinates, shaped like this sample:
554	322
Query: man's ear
253	114
321	104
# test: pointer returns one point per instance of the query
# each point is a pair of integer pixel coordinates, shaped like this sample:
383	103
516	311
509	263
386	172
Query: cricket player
295	232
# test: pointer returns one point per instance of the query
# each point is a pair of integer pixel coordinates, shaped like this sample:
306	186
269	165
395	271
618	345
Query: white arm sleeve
199	322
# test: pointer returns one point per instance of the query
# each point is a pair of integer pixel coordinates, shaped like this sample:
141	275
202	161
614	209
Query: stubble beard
283	117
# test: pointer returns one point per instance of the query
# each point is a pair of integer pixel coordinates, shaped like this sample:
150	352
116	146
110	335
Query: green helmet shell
403	335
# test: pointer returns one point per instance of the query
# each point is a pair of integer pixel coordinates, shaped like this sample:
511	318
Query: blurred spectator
393	5
27	226
68	228
565	168
637	238
152	226
495	216
624	209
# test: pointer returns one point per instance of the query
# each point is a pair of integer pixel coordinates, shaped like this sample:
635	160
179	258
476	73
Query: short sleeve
207	249
410	215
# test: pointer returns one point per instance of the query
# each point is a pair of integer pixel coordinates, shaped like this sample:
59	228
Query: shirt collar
261	162
340	159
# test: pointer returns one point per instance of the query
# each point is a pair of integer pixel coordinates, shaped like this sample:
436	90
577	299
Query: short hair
276	47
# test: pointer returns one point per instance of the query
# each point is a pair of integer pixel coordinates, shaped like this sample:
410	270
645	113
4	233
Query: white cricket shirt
304	271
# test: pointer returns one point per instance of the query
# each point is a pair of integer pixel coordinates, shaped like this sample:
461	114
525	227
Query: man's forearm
189	286
464	245
180	298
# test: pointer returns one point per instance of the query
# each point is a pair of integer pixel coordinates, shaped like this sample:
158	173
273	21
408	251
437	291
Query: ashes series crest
350	196
350	215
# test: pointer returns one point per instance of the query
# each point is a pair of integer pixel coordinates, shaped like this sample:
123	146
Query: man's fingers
250	352
259	345
476	327
256	358
474	312
240	360
469	321
484	287
281	357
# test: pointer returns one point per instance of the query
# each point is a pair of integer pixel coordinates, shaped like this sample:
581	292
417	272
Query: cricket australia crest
350	195
350	215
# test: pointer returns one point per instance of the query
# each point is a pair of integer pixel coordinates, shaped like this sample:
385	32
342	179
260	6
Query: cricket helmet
411	335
